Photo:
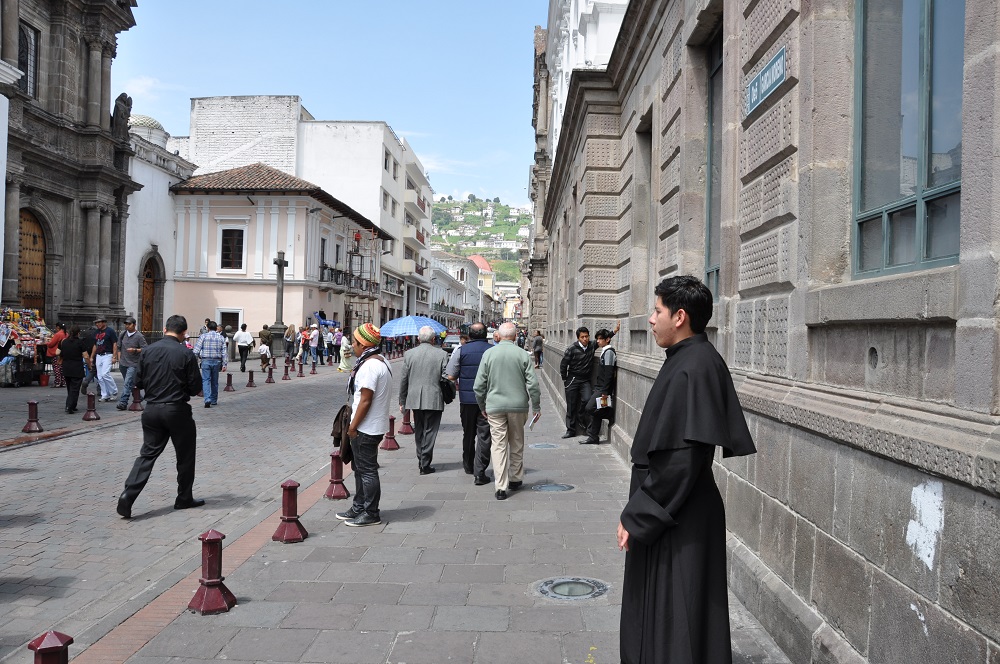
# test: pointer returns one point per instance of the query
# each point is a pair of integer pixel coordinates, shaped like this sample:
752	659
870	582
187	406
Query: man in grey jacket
130	344
420	392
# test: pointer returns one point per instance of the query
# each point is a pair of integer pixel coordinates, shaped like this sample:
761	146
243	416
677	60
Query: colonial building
364	164
232	224
466	272
830	170
150	245
68	150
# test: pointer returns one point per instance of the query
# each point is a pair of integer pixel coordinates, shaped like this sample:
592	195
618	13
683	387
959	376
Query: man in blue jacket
463	365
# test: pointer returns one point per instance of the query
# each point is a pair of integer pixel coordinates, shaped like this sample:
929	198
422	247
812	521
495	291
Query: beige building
806	160
230	227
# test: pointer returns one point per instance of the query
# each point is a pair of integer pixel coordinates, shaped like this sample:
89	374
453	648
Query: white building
150	244
364	164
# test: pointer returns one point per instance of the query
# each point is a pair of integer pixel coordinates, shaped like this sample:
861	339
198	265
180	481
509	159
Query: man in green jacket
504	383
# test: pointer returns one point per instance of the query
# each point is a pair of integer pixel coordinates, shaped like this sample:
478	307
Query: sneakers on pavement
349	514
481	479
501	495
364	519
121	406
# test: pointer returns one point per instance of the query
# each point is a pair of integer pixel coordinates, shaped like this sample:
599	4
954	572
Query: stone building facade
67	179
806	160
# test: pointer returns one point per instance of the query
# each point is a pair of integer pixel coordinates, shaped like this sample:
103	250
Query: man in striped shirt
211	348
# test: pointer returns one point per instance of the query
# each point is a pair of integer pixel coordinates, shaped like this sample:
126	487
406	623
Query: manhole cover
574	587
552	487
543	446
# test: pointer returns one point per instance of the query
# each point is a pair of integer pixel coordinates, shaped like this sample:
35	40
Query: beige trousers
507	450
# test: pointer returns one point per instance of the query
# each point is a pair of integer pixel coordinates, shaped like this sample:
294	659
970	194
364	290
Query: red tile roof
263	179
481	262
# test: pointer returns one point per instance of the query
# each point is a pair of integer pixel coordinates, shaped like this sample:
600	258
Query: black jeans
73	384
162	422
597	415
578	393
475	439
425	430
367	488
244	353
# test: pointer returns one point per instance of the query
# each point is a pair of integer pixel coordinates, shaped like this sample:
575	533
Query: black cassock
675	604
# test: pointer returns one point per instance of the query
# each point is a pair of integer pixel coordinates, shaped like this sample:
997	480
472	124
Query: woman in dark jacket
73	353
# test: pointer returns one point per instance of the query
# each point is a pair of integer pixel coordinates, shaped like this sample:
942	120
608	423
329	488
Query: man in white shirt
370	388
314	341
244	342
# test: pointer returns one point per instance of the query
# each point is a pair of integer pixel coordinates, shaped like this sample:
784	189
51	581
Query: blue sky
453	76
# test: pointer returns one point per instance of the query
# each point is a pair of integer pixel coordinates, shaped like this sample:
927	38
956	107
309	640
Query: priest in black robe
675	604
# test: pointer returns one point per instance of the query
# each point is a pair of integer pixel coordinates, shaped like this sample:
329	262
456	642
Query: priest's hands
622	537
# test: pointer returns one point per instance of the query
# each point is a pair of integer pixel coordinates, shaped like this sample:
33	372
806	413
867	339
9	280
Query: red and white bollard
212	596
336	490
389	442
32	426
229	383
250	382
91	414
270	375
405	428
291	529
136	405
51	648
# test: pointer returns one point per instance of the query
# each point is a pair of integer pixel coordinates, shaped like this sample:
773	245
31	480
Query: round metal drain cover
543	446
552	487
574	587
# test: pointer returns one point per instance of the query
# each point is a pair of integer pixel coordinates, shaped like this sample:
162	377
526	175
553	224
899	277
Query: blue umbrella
408	326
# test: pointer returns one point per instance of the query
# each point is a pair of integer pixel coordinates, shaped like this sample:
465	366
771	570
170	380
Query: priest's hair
690	294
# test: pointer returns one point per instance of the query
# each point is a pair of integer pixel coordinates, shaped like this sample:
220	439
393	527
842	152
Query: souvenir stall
22	346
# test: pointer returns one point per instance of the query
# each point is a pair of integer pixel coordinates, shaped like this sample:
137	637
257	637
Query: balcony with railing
415	204
414	237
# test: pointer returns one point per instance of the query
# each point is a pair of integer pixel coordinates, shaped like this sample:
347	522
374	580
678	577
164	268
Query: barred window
27	59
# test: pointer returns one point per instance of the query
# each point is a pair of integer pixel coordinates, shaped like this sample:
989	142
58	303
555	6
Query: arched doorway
150	296
31	263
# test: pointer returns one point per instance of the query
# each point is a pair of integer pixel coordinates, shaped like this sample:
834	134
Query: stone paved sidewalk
449	576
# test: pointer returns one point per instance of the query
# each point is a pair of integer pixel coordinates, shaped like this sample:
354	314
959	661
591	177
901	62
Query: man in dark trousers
420	392
575	369
462	366
675	605
168	371
600	406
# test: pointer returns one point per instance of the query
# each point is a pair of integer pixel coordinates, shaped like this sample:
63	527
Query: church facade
828	169
67	177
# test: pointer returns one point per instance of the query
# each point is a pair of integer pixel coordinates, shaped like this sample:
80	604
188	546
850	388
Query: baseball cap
315	325
100	319
129	320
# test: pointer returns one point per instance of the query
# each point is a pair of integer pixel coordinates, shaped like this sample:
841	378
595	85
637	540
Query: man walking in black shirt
575	369
168	371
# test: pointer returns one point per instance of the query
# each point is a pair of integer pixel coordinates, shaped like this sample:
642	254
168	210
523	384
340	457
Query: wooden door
31	264
148	301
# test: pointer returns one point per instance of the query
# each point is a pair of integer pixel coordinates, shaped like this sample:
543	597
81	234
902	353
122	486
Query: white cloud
148	88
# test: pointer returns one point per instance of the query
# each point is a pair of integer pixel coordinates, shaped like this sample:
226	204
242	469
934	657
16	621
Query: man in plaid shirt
211	348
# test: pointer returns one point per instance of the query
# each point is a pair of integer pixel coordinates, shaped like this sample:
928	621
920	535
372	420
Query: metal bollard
229	383
405	428
290	530
286	376
136	405
212	596
270	375
51	647
274	362
312	372
300	374
250	382
32	426
336	490
389	442
91	414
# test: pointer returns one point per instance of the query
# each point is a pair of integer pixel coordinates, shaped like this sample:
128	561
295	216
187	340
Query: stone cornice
9	74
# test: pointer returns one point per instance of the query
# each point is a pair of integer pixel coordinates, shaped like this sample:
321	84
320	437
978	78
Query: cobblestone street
449	575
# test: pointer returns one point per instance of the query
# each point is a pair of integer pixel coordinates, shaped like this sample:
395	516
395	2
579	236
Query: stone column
104	260
106	58
11	25
11	240
91	252
94	75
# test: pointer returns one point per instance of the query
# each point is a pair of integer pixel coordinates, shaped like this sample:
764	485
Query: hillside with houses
485	227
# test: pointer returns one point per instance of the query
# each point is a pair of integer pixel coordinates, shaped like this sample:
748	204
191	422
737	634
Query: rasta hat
368	335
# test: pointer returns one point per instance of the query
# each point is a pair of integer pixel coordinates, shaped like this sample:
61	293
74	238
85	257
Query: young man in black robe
675	605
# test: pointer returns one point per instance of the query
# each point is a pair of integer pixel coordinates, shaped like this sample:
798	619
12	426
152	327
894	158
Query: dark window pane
871	243
903	236
942	226
890	114
945	118
715	159
232	249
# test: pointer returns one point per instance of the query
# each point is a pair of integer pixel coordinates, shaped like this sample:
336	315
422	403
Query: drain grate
552	487
543	446
572	588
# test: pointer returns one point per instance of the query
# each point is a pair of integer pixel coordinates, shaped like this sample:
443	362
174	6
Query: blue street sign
765	82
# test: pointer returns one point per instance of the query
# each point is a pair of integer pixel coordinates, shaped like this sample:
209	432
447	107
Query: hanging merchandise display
23	334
